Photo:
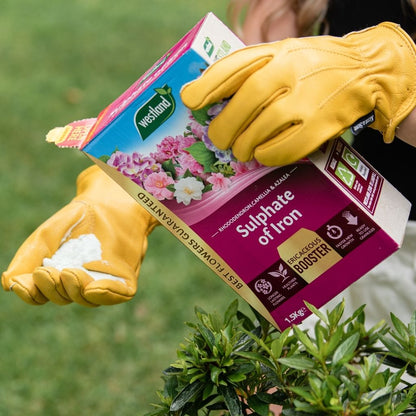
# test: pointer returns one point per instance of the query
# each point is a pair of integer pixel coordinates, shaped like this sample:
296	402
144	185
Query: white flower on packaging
187	189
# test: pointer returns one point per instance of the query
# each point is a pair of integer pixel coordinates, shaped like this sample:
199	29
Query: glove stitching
57	289
28	294
326	68
328	51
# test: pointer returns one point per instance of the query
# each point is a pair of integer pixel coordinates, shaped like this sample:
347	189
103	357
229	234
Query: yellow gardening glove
89	252
289	97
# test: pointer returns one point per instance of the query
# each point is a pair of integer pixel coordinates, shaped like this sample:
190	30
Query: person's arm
406	130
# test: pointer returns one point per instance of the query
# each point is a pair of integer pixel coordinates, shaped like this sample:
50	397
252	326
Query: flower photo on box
183	168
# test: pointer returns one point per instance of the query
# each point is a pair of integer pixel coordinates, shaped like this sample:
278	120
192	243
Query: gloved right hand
289	97
89	252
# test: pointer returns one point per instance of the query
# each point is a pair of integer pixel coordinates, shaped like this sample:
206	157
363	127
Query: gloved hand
89	252
289	97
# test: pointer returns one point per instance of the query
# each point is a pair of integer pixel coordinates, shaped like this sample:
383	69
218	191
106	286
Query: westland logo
155	111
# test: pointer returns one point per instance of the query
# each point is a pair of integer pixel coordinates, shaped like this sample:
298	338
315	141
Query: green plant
238	365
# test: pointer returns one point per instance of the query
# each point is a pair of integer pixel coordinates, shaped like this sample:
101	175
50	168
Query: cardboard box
278	236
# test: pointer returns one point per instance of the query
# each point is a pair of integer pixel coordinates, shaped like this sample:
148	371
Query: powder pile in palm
76	252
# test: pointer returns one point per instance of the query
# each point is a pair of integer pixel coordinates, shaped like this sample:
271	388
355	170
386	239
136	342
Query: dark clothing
395	161
345	16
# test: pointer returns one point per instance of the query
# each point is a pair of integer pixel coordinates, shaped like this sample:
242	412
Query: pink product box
278	236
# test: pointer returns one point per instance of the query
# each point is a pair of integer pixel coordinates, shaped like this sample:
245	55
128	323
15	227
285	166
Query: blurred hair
310	15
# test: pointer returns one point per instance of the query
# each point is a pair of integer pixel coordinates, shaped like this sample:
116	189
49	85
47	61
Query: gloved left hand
289	97
89	252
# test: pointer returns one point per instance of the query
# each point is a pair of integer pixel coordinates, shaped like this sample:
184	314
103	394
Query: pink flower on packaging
167	149
219	182
156	184
197	129
243	167
187	162
184	142
135	166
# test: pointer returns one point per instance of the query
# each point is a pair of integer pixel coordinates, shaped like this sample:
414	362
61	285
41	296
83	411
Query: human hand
291	96
89	252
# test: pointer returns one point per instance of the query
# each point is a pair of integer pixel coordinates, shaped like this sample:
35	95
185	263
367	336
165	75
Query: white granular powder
76	252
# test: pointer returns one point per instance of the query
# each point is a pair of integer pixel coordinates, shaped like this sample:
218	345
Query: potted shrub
238	365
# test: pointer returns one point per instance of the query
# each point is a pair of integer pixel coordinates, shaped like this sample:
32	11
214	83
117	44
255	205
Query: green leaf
215	374
201	115
335	315
170	371
186	394
208	336
334	341
317	312
405	403
231	311
169	167
277	345
345	350
412	324
315	384
264	323
254	356
237	377
304	393
377	398
247	322
188	174
171	188
353	389
377	382
395	349
331	384
320	338
298	362
207	391
400	328
358	314
202	155
395	379
306	341
231	400
258	405
162	91
104	158
207	188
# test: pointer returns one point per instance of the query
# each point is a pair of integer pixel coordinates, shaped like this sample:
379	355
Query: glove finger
114	282
74	282
108	292
276	123
48	280
294	143
25	288
224	77
283	133
248	103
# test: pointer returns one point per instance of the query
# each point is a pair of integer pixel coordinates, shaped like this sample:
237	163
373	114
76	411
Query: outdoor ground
60	61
